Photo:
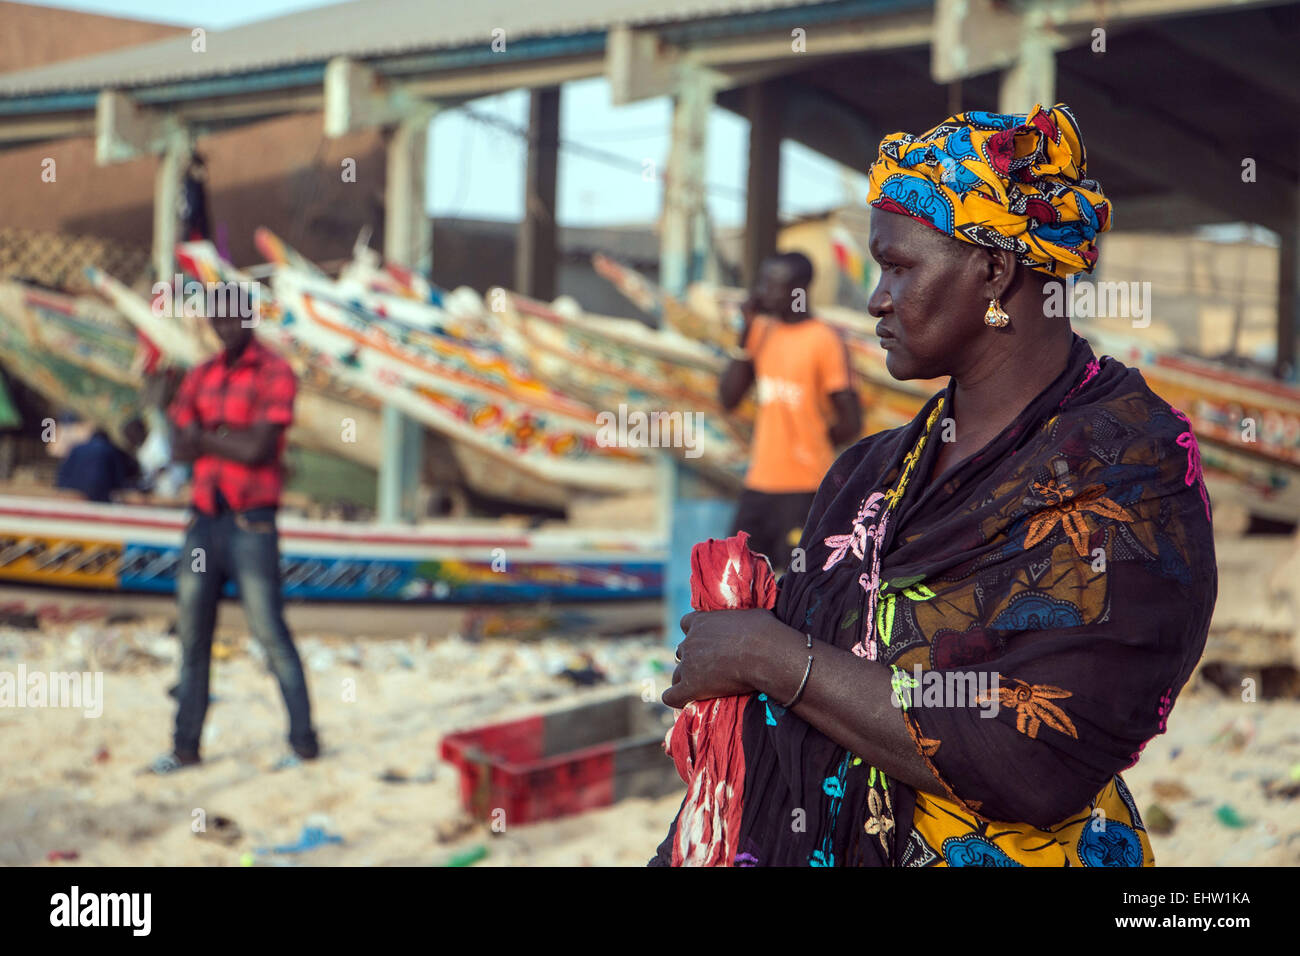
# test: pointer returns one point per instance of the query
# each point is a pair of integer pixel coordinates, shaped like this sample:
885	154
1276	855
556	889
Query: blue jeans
244	547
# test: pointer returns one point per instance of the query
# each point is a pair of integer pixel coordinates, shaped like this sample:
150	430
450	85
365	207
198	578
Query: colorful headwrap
1001	181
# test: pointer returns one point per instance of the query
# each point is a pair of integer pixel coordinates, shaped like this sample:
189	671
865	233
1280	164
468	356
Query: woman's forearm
849	700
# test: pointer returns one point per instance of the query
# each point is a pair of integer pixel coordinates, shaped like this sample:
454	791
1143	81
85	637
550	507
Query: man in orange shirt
806	404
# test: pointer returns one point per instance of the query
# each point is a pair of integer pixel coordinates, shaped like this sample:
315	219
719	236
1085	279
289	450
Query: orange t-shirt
796	367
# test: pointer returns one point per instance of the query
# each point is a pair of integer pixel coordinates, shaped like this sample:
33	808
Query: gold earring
995	317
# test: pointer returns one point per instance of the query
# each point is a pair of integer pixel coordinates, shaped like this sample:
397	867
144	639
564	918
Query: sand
71	783
408	693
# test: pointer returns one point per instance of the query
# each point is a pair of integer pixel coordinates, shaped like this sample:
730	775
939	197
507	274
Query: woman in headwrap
1000	601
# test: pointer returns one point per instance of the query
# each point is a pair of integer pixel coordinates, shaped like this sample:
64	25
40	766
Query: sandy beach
71	785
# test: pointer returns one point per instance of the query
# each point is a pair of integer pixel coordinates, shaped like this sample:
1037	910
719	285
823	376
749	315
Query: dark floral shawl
1073	556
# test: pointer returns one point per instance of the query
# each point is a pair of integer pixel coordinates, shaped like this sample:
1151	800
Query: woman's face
928	299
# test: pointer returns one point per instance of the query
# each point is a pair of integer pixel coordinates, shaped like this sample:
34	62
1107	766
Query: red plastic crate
564	762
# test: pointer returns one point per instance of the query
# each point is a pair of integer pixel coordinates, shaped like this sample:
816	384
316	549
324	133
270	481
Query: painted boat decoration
398	292
635	287
132	549
1248	426
431	349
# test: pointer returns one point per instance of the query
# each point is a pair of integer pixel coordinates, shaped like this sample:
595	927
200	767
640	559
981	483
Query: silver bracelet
803	683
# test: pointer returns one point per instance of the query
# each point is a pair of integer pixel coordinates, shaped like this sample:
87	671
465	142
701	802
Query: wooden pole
763	188
535	254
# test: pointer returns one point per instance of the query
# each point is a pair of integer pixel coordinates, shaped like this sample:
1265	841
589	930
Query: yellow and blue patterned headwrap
1001	181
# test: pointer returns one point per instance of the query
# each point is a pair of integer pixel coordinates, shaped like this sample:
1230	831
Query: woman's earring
995	317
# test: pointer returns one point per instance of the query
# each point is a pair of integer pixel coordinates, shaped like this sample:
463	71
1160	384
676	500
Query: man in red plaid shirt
230	417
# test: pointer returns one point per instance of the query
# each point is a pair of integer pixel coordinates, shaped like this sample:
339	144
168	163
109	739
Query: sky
477	170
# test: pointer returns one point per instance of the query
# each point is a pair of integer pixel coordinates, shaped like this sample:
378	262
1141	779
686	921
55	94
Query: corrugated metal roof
364	29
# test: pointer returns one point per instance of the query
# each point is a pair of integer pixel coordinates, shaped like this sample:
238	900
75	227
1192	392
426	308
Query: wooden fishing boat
625	368
635	287
482	468
1249	415
711	315
431	353
125	548
459	334
106	401
558	448
387	289
176	338
547	355
82	330
541	433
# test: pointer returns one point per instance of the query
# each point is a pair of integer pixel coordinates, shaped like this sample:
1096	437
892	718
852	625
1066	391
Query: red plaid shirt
258	388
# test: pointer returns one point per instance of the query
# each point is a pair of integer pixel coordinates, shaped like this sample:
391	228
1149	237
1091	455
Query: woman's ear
1000	271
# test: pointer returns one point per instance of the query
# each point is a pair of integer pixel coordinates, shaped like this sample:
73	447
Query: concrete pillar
763	187
1032	77
408	241
535	253
1288	296
684	240
166	203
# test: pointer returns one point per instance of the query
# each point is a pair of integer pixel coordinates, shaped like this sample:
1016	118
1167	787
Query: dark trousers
774	522
245	547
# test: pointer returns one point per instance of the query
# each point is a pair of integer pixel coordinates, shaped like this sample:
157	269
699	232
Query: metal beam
486	80
25	130
884	32
1072	12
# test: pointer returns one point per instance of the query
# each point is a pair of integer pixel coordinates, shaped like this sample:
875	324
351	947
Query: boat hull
59	543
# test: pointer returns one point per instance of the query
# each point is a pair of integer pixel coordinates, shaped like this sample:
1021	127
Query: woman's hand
722	654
